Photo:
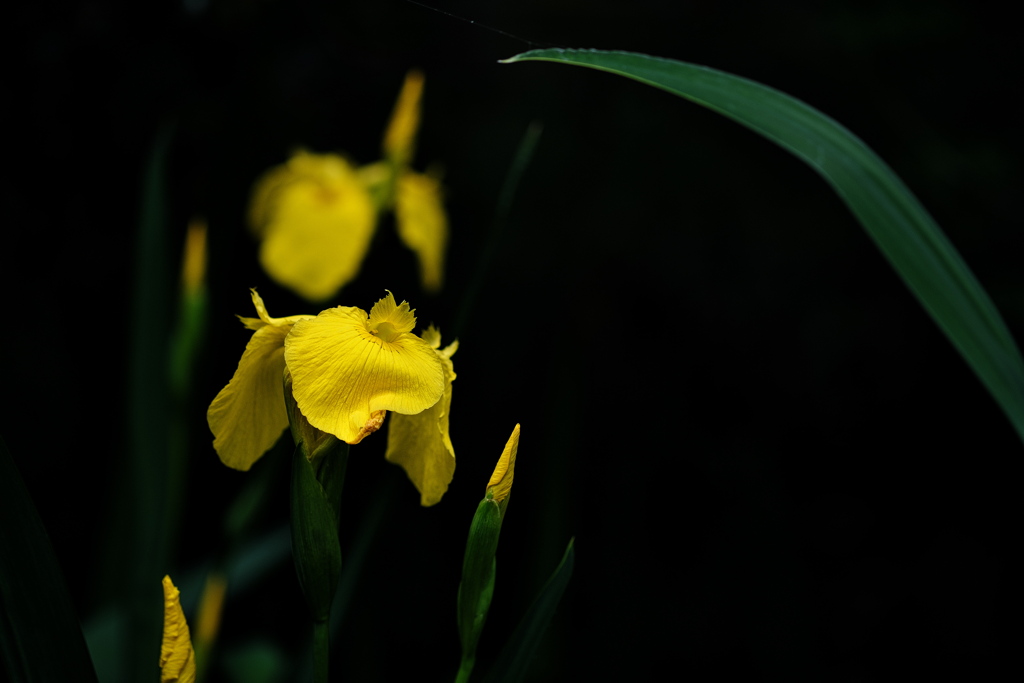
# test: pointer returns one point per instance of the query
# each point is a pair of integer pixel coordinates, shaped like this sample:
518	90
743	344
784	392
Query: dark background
773	463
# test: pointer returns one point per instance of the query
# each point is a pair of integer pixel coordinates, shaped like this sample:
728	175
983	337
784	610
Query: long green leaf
514	661
40	638
896	221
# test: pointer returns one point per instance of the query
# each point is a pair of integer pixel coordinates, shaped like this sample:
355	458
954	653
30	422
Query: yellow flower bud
177	658
500	484
193	265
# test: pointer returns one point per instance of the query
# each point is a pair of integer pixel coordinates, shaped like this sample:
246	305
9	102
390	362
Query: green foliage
514	661
477	585
40	639
314	518
892	216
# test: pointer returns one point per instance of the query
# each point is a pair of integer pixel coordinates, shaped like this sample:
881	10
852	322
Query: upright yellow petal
248	415
500	484
420	443
388	318
264	317
345	372
317	219
400	136
423	224
177	658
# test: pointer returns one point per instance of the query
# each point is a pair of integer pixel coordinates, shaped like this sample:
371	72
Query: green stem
321	650
465	669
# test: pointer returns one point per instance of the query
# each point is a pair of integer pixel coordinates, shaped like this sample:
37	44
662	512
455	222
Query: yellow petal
177	658
388	318
345	371
248	415
400	136
420	443
264	196
317	221
423	225
501	480
264	317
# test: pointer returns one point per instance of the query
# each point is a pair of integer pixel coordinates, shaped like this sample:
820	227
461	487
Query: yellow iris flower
177	658
347	369
316	214
315	218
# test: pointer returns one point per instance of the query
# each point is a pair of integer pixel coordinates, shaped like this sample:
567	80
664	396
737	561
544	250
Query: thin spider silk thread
531	43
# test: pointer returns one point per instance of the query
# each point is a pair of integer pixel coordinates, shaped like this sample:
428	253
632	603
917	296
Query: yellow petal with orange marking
345	370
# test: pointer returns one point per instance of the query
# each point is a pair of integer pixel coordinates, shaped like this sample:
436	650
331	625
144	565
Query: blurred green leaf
142	519
496	234
514	661
106	634
897	222
151	476
256	662
40	638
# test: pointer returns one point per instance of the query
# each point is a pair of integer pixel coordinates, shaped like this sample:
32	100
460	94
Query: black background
773	463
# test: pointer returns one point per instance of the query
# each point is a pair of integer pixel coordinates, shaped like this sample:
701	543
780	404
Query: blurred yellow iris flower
315	218
316	214
347	369
177	658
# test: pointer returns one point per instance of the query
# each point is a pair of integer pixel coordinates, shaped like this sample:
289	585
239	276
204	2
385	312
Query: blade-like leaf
514	661
40	638
896	221
492	244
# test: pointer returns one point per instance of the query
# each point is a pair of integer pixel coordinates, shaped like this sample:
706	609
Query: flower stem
321	650
465	668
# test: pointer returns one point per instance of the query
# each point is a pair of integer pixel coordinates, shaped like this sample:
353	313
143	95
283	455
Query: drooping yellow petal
501	480
317	221
248	415
177	658
421	443
423	224
400	136
347	371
